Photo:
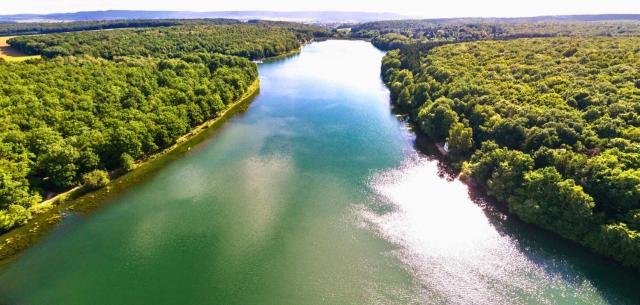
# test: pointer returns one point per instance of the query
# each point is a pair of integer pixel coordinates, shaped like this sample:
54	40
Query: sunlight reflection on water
453	249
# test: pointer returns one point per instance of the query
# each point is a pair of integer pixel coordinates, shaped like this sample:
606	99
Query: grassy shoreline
14	242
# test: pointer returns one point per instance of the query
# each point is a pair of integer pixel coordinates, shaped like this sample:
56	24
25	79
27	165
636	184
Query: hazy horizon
409	8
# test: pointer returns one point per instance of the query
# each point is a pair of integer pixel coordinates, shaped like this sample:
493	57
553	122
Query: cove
317	194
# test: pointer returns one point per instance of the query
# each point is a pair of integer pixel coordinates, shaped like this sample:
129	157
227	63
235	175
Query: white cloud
424	8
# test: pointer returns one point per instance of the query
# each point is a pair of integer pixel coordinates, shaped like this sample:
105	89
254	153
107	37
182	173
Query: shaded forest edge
549	126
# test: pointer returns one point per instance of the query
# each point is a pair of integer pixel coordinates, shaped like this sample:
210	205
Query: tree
509	133
618	241
500	169
58	165
14	189
554	203
13	215
405	97
95	179
460	138
436	119
122	140
127	163
616	188
421	94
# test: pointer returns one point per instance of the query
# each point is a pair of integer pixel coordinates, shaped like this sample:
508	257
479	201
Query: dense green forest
550	126
256	40
388	34
8	29
100	100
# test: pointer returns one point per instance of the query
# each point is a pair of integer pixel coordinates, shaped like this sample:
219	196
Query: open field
10	54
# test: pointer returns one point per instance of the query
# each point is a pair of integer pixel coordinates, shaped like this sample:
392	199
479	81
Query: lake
317	194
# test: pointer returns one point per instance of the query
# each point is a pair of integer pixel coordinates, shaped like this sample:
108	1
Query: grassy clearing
10	54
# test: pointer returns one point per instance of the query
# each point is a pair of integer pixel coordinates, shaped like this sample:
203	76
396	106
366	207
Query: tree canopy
246	40
389	35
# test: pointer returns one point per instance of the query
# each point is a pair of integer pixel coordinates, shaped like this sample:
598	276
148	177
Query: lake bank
14	242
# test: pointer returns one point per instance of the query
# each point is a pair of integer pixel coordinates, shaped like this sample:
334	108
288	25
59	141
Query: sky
418	8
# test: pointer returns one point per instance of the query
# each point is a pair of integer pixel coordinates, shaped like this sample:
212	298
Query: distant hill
315	17
301	16
558	18
403	23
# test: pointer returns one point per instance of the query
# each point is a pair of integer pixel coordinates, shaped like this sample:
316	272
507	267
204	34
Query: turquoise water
317	194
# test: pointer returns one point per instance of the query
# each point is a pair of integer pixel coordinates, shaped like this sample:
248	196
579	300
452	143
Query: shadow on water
558	256
428	149
282	58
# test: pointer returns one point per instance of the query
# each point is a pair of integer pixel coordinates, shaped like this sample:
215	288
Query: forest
549	126
253	40
11	28
101	100
387	35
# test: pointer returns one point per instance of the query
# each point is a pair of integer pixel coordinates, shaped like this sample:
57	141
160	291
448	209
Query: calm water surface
315	195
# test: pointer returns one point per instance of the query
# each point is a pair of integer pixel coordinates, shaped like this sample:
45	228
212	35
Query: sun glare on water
449	244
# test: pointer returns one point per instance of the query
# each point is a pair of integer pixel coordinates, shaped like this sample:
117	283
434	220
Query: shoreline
426	145
75	201
287	54
284	55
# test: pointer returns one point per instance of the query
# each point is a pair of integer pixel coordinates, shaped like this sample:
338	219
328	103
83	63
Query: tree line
387	35
255	40
550	126
11	28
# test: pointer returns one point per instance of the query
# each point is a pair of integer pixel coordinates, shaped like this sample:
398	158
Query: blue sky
421	8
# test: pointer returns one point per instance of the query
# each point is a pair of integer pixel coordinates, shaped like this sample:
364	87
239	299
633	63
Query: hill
312	16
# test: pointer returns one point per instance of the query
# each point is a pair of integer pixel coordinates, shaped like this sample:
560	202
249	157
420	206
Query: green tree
460	138
13	215
554	203
127	163
95	179
58	165
436	119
